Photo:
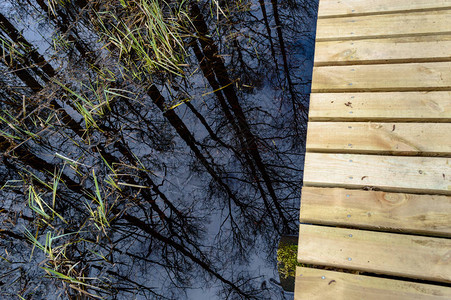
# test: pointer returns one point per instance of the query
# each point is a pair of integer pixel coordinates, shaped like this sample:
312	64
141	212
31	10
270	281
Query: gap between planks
377	210
385	106
425	175
421	139
383	77
384	26
318	284
384	51
335	8
417	257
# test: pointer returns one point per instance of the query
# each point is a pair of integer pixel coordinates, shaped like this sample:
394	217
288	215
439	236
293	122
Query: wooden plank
333	8
424	214
382	138
382	26
389	106
391	50
389	173
385	77
317	284
410	256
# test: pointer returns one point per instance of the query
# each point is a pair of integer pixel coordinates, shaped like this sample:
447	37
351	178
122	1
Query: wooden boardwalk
376	202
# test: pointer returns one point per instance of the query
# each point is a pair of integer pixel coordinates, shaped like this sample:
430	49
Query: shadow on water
150	149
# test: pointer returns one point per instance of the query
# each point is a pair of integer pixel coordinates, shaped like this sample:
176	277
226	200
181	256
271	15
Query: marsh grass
148	37
86	106
49	235
10	50
58	265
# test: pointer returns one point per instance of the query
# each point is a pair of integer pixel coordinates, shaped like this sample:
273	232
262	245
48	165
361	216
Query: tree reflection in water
150	149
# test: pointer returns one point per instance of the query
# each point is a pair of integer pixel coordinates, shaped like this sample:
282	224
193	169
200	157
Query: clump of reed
148	36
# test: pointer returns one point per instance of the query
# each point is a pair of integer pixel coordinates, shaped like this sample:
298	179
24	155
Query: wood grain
388	173
423	214
317	284
331	8
385	106
384	77
383	26
377	51
381	138
382	81
377	252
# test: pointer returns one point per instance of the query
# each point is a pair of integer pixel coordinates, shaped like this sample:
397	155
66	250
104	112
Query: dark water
150	150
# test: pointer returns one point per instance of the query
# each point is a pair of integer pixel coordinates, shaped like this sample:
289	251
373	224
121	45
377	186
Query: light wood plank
395	50
388	106
383	138
331	8
317	284
386	77
390	25
389	173
378	252
424	214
